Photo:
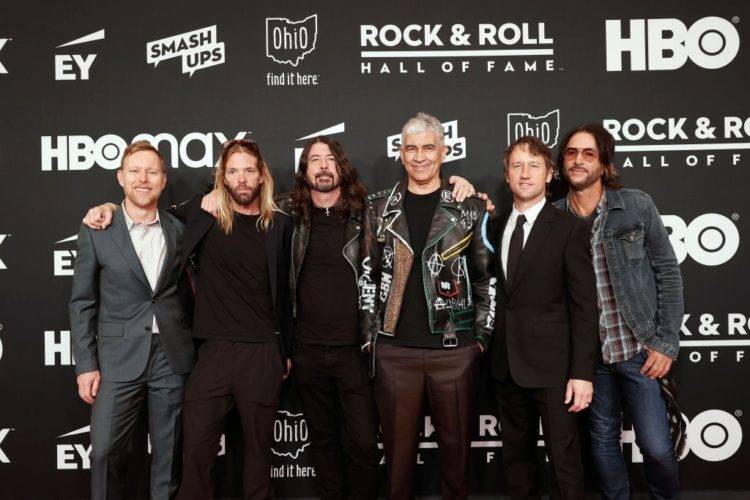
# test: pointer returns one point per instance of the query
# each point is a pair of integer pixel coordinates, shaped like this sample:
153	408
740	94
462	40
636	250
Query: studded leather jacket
352	249
459	285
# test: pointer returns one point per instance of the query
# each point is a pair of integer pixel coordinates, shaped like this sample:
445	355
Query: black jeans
336	392
228	374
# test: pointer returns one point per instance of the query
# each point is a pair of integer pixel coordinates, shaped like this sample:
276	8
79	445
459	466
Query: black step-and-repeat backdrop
80	80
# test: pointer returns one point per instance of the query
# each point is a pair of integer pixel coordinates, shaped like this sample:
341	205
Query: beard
244	198
581	184
323	183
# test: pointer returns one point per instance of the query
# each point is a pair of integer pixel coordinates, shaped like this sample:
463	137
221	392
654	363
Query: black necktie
515	248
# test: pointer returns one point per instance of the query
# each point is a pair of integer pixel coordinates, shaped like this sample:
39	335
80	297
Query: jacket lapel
170	239
539	233
121	238
443	219
394	210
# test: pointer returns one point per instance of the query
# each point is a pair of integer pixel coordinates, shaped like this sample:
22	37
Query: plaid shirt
618	342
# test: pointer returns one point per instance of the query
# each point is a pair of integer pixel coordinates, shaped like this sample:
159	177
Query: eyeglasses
588	154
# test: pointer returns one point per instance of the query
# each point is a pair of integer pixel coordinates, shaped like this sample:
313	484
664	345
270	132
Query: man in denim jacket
639	289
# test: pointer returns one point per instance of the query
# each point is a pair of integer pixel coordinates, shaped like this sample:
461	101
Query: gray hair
423	123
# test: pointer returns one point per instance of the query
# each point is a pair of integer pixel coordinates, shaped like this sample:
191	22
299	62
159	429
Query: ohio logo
81	152
456	145
546	128
290	434
199	49
667	44
711	239
288	42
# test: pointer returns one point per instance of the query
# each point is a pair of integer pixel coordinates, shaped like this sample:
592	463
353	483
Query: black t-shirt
327	291
413	327
233	299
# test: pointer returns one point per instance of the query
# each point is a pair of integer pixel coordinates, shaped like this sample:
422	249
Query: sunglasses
588	154
244	142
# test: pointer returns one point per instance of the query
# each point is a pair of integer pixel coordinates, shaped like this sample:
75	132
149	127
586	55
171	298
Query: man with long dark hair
329	367
639	289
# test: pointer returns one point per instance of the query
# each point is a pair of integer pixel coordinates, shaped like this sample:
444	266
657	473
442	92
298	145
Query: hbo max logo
711	239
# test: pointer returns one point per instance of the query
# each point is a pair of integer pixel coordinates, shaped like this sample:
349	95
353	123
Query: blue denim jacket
643	268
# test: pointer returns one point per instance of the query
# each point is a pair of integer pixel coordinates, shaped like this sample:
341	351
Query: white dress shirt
531	214
150	247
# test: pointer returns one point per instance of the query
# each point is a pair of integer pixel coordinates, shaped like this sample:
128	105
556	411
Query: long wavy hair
353	192
224	199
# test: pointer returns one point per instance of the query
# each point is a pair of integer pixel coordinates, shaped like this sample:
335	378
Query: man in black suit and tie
545	343
131	340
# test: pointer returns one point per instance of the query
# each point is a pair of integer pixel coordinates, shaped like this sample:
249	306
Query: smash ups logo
546	128
288	42
199	49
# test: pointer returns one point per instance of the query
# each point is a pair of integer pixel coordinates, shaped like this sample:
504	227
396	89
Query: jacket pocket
630	240
550	329
110	329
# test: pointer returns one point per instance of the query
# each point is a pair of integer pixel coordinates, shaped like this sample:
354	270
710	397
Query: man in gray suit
131	339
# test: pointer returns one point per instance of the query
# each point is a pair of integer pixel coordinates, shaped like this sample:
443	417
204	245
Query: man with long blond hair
238	265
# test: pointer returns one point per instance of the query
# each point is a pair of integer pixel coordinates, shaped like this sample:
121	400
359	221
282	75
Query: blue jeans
618	387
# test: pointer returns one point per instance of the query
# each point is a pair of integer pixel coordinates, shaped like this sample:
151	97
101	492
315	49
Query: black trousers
228	374
519	411
336	393
448	377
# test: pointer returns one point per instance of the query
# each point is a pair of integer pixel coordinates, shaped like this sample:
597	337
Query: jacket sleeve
182	210
668	278
483	280
369	279
582	302
84	302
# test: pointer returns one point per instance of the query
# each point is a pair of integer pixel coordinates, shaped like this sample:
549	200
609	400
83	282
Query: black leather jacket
459	284
352	250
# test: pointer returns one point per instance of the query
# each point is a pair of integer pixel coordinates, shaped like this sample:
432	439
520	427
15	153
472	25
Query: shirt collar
531	213
601	207
130	222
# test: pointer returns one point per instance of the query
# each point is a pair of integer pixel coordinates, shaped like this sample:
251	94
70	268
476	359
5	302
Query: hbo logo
711	239
711	43
713	435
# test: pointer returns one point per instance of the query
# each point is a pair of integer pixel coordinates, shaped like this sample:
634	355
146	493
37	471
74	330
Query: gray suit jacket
112	304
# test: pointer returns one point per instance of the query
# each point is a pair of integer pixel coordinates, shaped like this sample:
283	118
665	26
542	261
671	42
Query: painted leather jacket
459	285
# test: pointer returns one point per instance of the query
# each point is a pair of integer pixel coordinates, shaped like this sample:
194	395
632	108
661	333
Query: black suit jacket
546	324
278	248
